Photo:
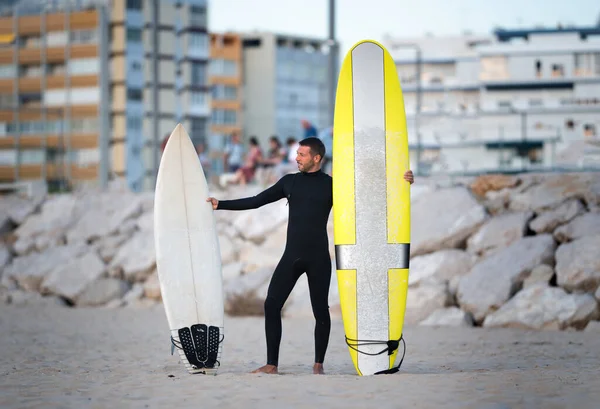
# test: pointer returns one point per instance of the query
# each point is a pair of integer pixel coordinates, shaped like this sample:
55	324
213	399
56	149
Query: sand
55	357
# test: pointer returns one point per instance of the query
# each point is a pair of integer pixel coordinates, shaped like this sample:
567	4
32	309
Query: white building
285	81
514	100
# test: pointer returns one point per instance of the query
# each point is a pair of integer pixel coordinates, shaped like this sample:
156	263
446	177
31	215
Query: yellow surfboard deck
371	205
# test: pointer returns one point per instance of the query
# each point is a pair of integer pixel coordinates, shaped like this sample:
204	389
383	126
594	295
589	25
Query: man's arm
267	196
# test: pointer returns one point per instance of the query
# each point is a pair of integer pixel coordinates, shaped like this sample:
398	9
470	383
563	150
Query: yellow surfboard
371	206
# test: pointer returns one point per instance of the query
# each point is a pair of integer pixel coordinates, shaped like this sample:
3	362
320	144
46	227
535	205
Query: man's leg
281	285
319	279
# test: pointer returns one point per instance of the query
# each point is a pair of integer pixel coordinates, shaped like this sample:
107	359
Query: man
234	152
310	198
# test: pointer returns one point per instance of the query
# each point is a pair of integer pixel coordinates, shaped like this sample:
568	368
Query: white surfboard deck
188	256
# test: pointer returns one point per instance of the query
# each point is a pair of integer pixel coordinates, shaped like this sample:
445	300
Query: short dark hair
253	141
315	144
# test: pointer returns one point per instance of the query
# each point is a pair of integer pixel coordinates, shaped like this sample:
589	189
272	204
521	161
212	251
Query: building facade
89	90
225	78
285	81
511	101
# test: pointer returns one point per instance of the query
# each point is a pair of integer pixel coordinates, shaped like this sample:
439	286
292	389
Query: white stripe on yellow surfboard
344	212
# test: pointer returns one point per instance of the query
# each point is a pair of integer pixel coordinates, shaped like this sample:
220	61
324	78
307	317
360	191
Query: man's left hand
409	177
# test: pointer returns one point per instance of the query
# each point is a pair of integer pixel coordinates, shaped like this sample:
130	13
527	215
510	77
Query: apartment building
225	78
89	90
512	100
285	81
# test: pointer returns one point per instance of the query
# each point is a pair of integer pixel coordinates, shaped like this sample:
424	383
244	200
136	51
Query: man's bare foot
318	369
270	369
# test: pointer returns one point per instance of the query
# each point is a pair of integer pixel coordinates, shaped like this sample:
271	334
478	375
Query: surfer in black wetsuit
309	195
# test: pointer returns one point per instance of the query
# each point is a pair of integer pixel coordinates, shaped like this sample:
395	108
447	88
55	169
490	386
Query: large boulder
497	278
444	218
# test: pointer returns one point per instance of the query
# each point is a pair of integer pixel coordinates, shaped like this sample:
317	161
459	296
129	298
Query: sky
373	19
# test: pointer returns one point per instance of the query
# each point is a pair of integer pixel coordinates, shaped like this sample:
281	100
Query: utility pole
332	63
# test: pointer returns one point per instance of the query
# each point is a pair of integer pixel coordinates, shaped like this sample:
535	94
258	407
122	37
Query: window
558	70
32	156
198	73
224	117
134	123
224	92
83	36
134	94
134	35
134	4
198	130
587	64
84	125
7	71
198	41
84	66
223	67
198	16
198	98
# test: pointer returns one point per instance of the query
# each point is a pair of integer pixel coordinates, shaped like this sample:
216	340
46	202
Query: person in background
234	153
246	173
204	159
309	129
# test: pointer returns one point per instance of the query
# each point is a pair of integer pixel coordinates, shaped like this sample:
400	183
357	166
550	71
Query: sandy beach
120	358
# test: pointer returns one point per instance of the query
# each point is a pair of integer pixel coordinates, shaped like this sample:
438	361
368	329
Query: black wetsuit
310	200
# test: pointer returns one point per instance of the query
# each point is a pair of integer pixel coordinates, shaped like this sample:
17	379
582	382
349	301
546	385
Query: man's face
305	160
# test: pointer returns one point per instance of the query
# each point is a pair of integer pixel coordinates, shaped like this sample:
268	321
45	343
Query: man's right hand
214	202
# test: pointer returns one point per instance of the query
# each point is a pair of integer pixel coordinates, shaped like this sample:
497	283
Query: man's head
235	137
310	154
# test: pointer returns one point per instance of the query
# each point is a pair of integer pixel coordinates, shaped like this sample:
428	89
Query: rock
266	255
56	216
72	278
578	264
255	225
587	224
440	266
552	192
546	222
108	246
439	225
499	232
597	294
491	282
25	245
451	316
5	257
484	183
228	251
133	295
16	208
232	271
593	326
102	291
29	271
541	274
423	300
21	298
145	222
136	259
543	307
496	202
152	287
241	296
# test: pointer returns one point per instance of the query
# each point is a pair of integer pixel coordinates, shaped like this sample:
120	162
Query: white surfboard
188	256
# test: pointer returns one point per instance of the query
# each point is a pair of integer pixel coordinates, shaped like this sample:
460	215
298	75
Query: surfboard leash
391	346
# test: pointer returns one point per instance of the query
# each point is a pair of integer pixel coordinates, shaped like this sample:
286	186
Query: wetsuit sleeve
267	196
